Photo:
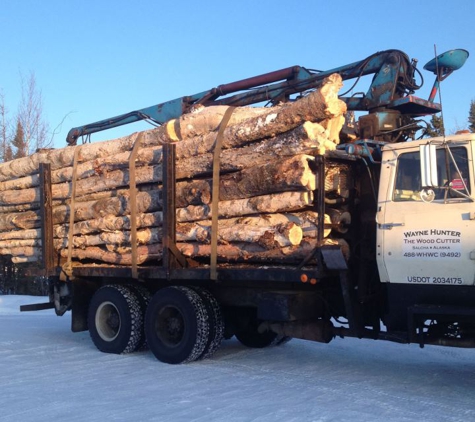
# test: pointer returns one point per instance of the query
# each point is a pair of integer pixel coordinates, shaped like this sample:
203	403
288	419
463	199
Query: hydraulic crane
389	100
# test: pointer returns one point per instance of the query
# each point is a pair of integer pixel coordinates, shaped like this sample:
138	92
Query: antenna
438	80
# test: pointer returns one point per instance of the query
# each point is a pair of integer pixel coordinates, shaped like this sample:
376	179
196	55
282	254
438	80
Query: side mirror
428	166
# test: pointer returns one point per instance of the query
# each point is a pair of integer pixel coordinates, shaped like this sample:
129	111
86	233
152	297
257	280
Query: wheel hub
108	321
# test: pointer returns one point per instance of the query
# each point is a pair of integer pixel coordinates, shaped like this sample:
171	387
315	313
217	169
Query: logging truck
264	223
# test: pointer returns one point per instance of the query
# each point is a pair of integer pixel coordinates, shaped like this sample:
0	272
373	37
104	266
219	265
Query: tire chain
216	323
202	322
136	317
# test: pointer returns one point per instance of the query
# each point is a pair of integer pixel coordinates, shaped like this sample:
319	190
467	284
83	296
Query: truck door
422	240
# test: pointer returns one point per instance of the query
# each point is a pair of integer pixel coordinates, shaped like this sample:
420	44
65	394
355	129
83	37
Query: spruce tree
435	127
21	148
471	117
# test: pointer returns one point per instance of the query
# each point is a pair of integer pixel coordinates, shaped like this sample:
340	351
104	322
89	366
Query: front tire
115	320
177	325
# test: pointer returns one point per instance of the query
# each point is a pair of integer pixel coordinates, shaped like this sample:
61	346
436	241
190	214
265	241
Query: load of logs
263	198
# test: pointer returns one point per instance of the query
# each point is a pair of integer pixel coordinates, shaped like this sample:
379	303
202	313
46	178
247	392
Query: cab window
452	172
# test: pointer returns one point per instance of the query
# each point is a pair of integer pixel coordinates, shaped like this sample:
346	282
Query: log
21	220
110	223
279	202
21	234
317	106
18	243
202	120
21	251
144	253
277	176
144	237
268	237
252	253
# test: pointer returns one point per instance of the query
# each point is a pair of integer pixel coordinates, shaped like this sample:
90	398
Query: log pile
265	189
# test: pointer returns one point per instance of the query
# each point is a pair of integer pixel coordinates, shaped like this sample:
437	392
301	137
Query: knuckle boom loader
380	245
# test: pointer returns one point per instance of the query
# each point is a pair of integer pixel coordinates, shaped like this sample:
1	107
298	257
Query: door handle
389	226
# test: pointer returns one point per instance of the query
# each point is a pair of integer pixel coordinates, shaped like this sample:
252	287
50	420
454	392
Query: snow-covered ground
48	373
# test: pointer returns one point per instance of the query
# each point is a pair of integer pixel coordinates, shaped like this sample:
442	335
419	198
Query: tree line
22	132
435	126
26	130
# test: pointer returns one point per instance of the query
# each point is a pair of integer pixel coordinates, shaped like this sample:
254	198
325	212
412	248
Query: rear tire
143	296
216	323
177	325
115	320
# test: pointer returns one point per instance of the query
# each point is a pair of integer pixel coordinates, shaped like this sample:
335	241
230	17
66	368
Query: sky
97	59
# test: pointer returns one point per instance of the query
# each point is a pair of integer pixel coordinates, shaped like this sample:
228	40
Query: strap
215	193
68	267
133	203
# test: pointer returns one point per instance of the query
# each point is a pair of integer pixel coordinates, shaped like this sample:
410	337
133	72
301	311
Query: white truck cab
426	234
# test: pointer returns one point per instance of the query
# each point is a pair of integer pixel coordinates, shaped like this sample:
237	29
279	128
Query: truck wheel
143	296
249	336
115	319
177	325
216	323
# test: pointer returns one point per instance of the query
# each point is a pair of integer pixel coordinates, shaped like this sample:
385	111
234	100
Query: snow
48	373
